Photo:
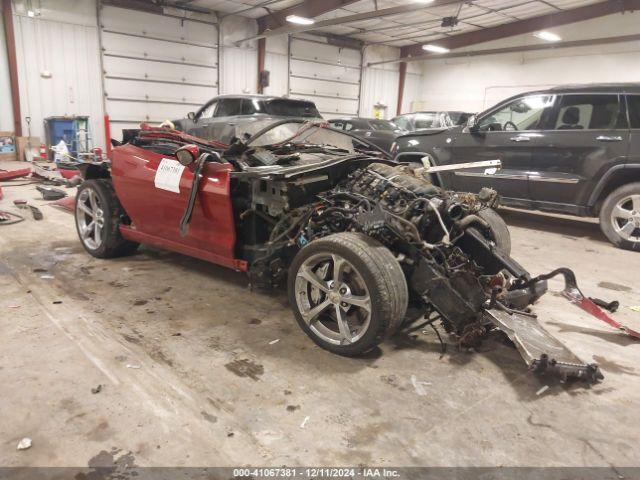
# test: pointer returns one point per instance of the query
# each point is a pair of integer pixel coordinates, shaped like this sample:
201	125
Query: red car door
155	210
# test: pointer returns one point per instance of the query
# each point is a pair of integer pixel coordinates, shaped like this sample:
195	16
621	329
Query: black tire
111	242
384	280
607	214
498	229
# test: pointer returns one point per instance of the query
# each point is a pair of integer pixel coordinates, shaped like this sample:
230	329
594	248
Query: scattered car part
610	306
496	164
35	211
11	174
573	293
9	218
51	193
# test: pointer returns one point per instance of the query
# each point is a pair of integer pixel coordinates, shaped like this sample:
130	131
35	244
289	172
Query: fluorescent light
434	48
300	20
547	36
422	1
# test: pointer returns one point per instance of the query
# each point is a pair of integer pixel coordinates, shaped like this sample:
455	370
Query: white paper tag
168	175
490	171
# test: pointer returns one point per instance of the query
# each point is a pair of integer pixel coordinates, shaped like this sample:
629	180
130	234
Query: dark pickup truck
571	149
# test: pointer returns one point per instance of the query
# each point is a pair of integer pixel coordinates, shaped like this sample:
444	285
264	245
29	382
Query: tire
97	197
622	208
499	230
369	270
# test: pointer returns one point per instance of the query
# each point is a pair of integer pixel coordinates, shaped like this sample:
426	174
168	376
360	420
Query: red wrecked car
359	239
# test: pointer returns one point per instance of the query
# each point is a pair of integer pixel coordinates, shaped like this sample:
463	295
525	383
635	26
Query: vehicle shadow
572	228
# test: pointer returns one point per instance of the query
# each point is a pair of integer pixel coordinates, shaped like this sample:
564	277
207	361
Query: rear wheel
620	217
347	292
98	214
499	231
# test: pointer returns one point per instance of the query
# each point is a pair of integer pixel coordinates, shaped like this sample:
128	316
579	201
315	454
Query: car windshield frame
305	125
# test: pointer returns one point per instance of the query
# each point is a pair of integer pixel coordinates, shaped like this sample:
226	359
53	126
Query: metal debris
542	390
304	422
24	444
129	365
273	342
419	386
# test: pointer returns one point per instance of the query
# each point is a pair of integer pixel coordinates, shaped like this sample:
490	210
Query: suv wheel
620	216
348	292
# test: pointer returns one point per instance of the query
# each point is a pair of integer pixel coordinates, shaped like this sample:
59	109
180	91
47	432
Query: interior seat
571	119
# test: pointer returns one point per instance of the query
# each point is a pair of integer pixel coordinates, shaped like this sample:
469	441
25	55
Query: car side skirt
134	235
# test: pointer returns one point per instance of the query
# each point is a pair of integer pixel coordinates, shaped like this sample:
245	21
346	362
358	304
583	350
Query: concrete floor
197	370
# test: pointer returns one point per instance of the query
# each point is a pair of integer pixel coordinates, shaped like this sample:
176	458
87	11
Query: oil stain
245	368
208	417
105	466
612	367
614	286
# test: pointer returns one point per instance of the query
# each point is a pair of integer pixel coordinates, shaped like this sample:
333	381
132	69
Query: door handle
607	138
520	139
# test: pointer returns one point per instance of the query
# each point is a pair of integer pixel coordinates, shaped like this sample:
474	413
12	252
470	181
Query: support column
13	66
401	79
262	52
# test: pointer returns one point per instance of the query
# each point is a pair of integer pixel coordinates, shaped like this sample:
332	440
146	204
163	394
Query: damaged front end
452	265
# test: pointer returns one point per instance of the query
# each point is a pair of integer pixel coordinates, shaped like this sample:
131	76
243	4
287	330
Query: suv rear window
291	108
634	110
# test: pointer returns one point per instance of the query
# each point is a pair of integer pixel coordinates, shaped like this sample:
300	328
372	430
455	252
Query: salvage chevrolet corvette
359	239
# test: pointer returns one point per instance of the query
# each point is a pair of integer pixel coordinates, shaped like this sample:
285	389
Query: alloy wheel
333	299
625	218
90	218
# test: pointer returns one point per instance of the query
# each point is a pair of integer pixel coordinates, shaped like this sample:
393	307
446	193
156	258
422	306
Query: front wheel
620	216
347	292
98	215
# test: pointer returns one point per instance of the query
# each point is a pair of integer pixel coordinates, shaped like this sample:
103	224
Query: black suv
572	149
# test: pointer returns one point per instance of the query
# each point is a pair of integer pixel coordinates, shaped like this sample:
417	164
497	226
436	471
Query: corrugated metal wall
277	62
380	83
59	64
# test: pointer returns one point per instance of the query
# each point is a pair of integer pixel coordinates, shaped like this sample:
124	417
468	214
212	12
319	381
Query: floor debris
47	277
129	365
97	389
635	308
542	390
419	386
304	422
273	342
24	444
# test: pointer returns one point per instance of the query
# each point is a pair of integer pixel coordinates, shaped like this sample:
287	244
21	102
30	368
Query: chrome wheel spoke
313	279
338	268
85	209
96	231
343	325
93	201
87	229
361	301
627	229
312	314
635	200
619	212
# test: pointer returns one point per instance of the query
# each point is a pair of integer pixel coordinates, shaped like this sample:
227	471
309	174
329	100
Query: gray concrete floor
192	374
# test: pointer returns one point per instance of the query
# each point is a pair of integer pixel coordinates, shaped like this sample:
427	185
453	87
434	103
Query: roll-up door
326	74
156	66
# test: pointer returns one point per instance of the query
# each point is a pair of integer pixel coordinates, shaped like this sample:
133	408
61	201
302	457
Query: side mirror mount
191	116
472	124
187	154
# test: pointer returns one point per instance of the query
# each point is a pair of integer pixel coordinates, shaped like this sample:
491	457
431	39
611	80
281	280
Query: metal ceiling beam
308	8
289	29
524	48
529	25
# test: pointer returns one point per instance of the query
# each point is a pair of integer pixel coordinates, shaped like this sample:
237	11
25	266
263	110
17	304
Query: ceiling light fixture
300	20
422	1
435	48
547	36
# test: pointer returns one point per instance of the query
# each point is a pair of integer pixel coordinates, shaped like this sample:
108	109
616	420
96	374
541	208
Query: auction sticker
168	175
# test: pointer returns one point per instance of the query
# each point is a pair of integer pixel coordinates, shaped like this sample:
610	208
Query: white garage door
156	67
327	75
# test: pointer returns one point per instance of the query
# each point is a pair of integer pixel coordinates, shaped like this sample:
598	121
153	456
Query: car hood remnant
294	183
